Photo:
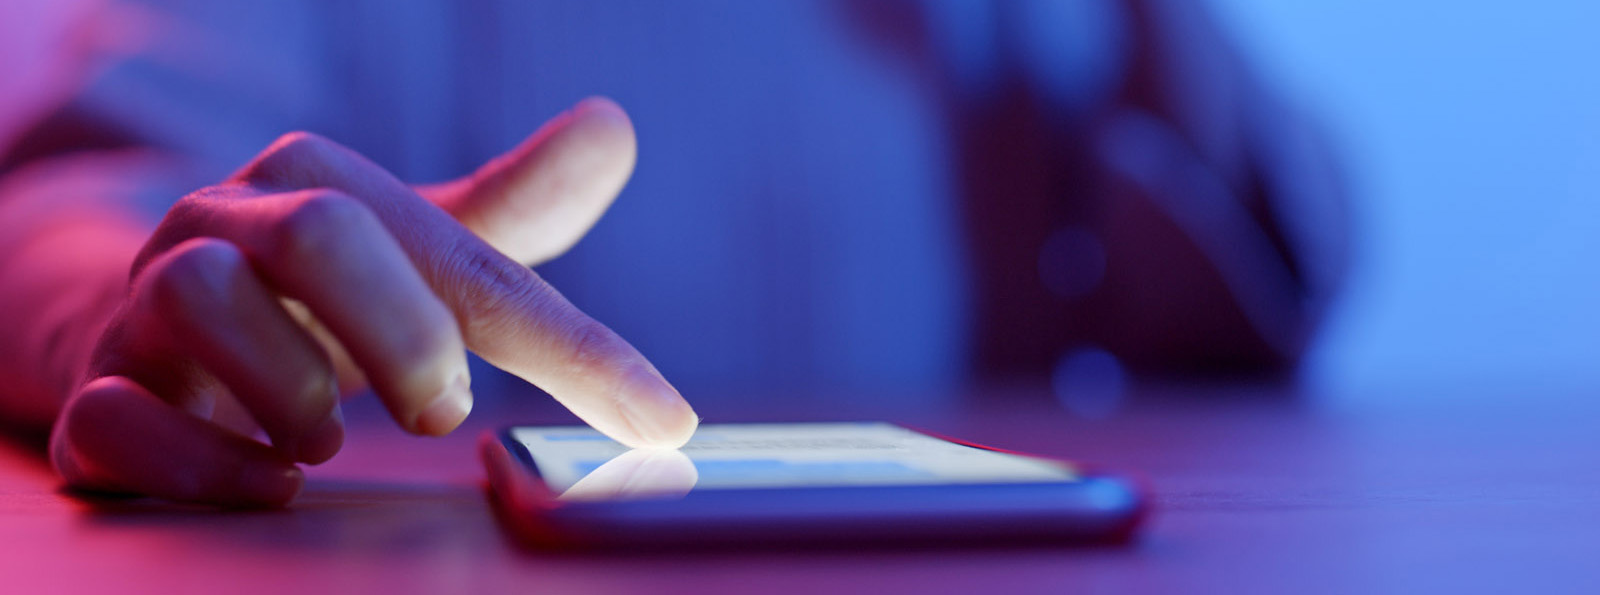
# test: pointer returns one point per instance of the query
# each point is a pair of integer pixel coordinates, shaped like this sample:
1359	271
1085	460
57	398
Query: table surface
1255	490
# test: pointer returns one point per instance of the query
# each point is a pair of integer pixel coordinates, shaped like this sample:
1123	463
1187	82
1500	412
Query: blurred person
882	194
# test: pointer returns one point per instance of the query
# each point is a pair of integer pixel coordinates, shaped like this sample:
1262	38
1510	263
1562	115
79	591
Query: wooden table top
1256	491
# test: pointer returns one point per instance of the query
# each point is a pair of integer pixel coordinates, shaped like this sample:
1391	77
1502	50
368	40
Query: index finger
508	314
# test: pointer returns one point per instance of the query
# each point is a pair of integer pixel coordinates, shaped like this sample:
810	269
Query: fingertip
658	414
599	106
538	199
118	436
600	122
687	426
93	420
448	410
320	444
267	485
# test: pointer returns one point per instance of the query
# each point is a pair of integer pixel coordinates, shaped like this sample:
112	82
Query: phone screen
581	464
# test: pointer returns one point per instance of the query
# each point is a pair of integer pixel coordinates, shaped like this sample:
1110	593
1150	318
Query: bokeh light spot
1089	382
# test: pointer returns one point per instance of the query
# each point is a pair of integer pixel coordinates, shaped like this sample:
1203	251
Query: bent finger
329	252
212	308
117	436
507	313
538	199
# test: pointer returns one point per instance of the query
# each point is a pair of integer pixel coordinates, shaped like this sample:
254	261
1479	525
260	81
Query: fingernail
656	410
322	443
447	410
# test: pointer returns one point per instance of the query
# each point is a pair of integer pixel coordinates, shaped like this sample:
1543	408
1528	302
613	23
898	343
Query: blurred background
911	199
1472	130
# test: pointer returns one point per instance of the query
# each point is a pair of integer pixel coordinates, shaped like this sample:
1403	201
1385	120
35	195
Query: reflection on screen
583	464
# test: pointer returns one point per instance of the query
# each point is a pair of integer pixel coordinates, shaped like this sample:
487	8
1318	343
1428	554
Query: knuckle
188	217
293	159
593	347
492	286
498	292
197	209
300	143
187	208
194	275
317	226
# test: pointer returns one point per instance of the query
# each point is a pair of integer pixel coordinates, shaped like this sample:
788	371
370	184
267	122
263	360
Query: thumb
536	200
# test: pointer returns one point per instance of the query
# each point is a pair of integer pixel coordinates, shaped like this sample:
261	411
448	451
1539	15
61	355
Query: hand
313	266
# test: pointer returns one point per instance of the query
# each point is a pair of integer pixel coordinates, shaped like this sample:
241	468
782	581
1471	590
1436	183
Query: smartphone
567	486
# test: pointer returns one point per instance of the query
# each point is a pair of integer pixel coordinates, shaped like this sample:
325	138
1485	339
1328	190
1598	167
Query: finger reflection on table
638	473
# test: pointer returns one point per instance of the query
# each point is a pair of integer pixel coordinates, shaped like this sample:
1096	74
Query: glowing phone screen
583	464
